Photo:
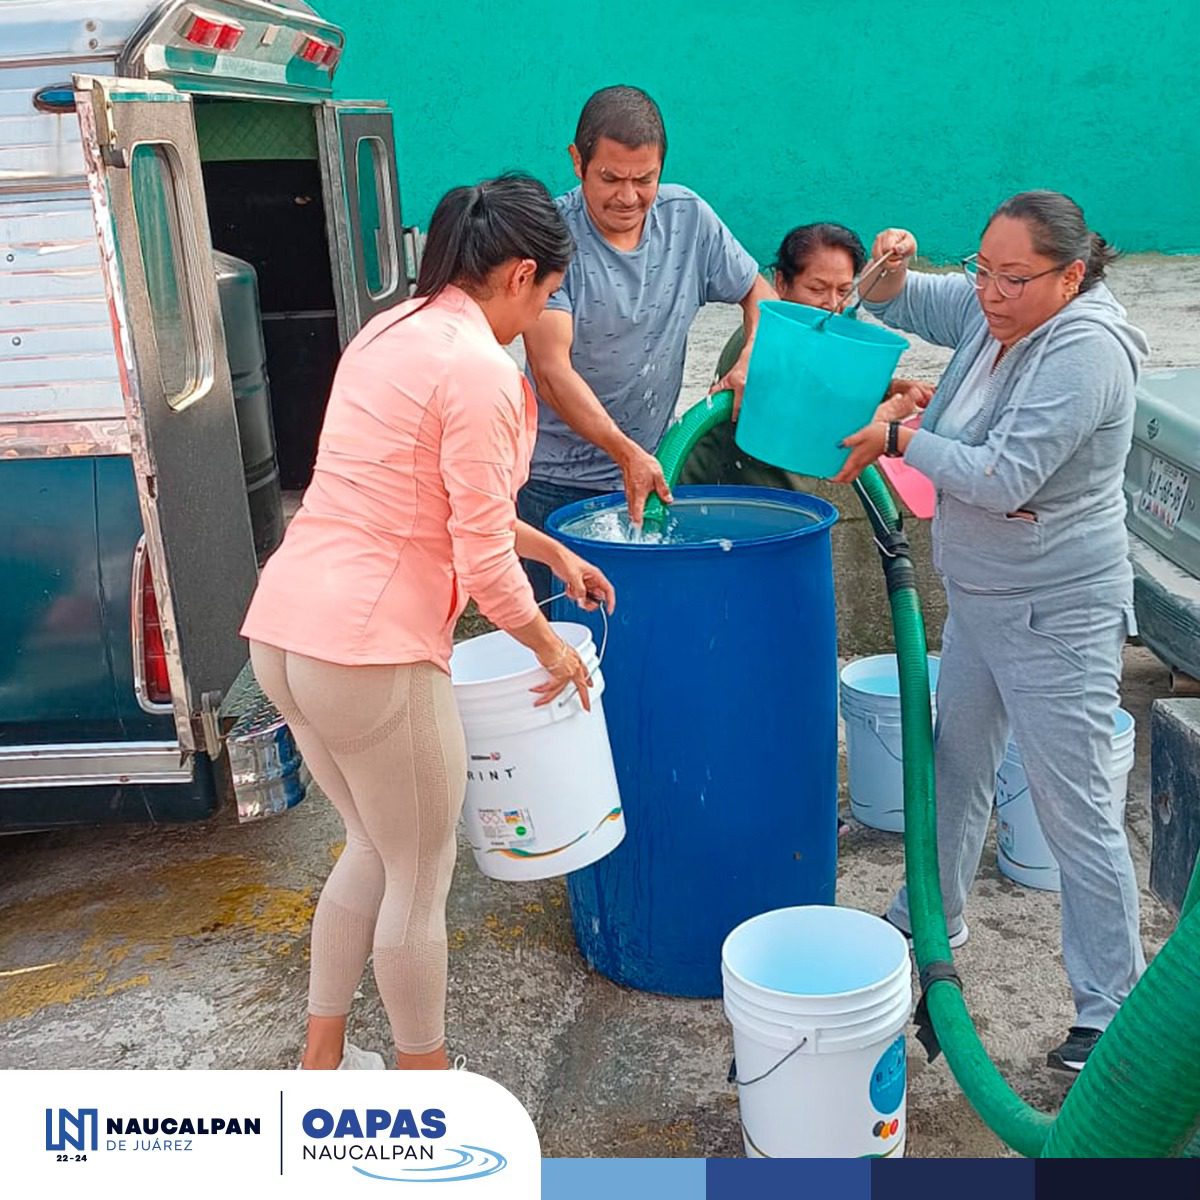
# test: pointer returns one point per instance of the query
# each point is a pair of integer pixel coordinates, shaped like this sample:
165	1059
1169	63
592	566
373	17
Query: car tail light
154	653
317	51
212	32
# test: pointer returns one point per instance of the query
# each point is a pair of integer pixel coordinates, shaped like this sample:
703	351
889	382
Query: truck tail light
149	649
317	51
212	32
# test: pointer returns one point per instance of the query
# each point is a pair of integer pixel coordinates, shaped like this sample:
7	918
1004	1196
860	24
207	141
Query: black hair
1059	231
801	243
475	229
624	114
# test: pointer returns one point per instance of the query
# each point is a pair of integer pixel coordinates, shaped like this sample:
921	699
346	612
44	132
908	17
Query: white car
1162	490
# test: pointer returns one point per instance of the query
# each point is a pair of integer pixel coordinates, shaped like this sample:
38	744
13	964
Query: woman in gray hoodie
1025	441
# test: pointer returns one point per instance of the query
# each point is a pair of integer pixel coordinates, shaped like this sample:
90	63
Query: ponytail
449	229
1100	257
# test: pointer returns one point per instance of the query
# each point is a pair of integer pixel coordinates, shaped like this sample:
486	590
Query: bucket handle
733	1075
859	292
872	724
603	617
570	696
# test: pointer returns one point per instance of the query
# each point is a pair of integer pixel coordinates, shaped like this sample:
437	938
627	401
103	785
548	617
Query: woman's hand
897	246
865	447
734	380
905	398
892	247
587	585
564	667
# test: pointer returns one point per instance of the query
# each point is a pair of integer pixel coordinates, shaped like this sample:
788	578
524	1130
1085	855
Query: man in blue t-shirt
606	358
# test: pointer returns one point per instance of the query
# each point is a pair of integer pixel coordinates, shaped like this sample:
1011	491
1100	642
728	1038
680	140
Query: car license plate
1165	493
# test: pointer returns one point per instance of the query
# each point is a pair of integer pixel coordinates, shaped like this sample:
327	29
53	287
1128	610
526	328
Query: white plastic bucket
542	795
1021	850
870	699
819	998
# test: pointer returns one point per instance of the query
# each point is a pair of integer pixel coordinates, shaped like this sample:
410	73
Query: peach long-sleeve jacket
411	510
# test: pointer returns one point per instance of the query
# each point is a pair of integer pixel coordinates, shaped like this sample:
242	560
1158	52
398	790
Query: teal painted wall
781	111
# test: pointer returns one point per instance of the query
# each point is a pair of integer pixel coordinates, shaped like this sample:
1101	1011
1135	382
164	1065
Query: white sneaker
354	1059
957	939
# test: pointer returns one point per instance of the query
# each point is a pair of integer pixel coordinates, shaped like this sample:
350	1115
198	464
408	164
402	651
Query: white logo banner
264	1133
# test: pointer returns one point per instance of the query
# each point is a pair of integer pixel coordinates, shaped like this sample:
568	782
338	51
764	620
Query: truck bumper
1167	601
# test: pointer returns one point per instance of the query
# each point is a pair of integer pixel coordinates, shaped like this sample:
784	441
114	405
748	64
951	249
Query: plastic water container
807	389
542	796
1021	850
241	319
266	769
819	998
870	696
721	671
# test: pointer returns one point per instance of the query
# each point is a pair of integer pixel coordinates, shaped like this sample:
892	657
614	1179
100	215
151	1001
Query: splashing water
692	523
614	525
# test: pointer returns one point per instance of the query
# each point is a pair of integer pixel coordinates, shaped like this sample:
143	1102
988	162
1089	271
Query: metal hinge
210	722
106	127
413	241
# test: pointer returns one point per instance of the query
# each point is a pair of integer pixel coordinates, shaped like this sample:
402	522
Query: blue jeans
535	502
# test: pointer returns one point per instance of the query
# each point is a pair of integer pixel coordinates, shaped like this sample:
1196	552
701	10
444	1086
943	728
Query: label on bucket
506	828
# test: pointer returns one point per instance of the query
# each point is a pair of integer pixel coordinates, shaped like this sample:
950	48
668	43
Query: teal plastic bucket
809	388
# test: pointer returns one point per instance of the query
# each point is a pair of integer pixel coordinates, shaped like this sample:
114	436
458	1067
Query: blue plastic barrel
813	380
721	700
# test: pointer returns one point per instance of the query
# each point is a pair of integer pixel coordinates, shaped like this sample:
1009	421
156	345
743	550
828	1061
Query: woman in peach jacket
411	511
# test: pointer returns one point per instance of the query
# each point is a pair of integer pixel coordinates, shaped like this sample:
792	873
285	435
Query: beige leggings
386	746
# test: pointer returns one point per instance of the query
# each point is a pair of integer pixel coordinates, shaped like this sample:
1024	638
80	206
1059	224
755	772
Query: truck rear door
362	206
147	196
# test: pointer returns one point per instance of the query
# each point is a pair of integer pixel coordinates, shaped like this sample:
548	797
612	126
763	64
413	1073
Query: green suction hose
1159	1108
1016	1123
1141	1085
679	441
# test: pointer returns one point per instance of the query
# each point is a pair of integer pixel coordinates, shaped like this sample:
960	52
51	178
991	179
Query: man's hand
643	474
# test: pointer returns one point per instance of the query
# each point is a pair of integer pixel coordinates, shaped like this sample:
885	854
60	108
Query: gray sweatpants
1047	666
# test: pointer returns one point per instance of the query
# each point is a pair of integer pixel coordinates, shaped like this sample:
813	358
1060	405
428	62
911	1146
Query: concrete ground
186	946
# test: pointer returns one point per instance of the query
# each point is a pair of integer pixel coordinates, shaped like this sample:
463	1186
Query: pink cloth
412	506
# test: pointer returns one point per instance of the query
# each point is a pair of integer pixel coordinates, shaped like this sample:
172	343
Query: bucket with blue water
1022	852
814	379
819	998
721	677
870	698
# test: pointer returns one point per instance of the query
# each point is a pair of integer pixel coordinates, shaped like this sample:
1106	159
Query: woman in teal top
816	265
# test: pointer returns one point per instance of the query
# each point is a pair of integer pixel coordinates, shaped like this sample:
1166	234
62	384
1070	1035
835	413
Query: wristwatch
891	446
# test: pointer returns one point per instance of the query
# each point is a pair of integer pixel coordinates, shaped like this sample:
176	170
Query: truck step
1174	797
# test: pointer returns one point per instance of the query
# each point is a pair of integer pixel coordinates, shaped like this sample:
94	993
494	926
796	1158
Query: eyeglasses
1009	286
